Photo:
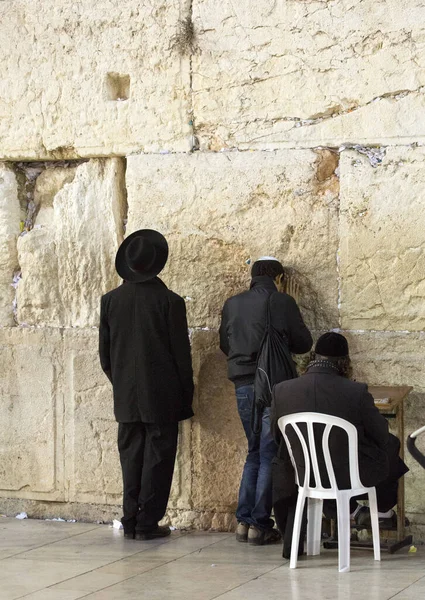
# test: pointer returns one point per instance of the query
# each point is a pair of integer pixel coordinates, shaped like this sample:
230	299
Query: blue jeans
255	493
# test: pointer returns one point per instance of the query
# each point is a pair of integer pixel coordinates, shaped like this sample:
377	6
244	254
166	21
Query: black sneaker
242	532
260	537
159	532
129	535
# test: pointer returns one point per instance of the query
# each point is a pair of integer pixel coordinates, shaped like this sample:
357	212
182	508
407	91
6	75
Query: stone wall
238	129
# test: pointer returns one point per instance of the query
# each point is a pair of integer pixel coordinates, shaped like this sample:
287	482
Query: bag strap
257	410
268	315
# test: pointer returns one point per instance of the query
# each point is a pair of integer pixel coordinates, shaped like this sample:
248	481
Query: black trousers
147	456
387	490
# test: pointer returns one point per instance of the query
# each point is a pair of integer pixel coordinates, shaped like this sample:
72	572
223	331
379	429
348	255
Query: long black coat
322	390
243	323
145	351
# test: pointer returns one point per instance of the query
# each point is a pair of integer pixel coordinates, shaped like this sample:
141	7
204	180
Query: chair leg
314	526
297	530
343	509
373	507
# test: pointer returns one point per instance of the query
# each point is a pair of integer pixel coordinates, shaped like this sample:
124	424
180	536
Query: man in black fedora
145	352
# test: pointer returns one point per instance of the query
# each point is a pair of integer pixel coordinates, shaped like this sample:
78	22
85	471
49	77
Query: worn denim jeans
255	493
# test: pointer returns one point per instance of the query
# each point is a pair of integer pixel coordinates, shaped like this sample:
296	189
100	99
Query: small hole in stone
117	86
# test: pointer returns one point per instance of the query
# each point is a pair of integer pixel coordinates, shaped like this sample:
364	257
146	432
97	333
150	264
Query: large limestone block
385	358
67	259
92	463
308	73
9	231
388	358
218	443
382	255
221	211
31	407
115	83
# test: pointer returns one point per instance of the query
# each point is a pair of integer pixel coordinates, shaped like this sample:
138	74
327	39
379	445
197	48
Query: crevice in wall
338	111
27	174
124	201
17	276
185	43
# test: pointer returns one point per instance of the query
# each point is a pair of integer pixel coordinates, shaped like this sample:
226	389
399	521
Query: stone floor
44	560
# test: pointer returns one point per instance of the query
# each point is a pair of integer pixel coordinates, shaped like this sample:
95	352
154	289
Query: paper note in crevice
382	400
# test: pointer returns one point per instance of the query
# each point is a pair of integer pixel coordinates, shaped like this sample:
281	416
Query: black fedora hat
142	255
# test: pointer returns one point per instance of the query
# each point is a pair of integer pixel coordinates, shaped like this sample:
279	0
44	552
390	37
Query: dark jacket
243	324
322	390
145	351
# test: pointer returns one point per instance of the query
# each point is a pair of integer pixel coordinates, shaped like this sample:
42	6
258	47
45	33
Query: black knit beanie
332	344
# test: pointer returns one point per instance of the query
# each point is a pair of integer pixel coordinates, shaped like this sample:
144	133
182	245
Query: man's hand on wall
293	288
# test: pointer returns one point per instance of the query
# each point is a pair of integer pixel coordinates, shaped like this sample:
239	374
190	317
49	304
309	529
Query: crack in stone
313	120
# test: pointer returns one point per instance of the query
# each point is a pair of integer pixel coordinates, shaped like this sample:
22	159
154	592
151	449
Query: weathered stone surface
220	211
31	408
218	443
382	256
385	358
9	231
67	259
115	83
305	74
92	465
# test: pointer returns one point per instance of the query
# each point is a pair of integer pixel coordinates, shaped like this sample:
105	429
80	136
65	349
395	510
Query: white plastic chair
317	494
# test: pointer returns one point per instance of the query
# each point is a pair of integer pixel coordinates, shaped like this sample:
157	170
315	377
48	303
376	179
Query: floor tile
62	561
20	536
415	591
318	577
53	594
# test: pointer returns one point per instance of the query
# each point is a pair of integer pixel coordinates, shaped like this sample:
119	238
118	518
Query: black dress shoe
129	535
153	533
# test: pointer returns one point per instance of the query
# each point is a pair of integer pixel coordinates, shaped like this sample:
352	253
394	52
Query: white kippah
268	258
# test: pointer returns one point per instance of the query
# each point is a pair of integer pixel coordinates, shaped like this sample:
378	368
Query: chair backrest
310	419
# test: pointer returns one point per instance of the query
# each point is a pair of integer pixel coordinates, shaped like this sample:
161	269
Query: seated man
326	388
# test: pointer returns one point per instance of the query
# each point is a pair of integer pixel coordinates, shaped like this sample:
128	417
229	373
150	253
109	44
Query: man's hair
269	268
342	363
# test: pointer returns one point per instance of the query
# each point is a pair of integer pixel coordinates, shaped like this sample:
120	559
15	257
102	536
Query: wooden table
390	402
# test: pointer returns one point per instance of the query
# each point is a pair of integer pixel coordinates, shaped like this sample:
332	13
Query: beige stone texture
31	434
67	259
308	73
9	231
382	255
92	466
219	444
385	358
220	211
388	358
92	79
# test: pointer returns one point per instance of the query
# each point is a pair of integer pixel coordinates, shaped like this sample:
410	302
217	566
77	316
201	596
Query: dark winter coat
322	390
145	351
243	324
